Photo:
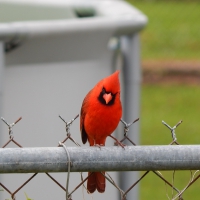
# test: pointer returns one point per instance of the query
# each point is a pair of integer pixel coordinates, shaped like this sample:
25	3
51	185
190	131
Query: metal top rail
137	158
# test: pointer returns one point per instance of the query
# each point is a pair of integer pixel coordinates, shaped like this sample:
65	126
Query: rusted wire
110	179
136	182
53	179
10	132
10	140
3	186
81	183
172	129
13	194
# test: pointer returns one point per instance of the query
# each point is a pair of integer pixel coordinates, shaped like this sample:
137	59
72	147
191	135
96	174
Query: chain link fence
173	193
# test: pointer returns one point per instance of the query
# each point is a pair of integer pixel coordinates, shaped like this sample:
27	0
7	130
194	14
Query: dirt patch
171	72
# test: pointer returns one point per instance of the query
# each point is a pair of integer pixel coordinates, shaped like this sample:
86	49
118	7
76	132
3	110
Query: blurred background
170	91
170	56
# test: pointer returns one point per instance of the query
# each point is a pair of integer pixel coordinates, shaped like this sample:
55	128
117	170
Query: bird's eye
103	90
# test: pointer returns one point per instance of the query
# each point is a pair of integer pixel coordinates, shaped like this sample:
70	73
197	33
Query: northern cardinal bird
100	114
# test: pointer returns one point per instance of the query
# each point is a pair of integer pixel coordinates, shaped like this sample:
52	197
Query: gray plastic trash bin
51	54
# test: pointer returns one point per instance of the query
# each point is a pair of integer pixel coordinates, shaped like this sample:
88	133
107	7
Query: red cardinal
100	114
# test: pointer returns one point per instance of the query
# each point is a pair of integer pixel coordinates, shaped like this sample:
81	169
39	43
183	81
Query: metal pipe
2	60
132	158
2	65
130	47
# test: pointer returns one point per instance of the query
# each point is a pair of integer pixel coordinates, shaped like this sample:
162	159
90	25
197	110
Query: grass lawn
173	30
171	104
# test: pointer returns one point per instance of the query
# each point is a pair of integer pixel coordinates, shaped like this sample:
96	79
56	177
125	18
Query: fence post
1	84
130	47
1	73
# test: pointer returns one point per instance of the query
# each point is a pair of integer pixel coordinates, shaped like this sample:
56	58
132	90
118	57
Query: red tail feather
96	181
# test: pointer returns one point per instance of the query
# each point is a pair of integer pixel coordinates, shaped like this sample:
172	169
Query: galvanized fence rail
83	159
116	158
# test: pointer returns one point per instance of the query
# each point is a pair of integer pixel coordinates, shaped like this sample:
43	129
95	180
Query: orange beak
107	97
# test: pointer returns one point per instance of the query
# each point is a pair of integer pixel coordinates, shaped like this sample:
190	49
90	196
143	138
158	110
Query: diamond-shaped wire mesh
176	193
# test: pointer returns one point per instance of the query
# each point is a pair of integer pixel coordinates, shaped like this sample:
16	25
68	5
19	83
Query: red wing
82	118
83	132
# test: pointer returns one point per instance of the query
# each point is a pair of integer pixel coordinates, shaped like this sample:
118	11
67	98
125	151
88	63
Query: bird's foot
98	145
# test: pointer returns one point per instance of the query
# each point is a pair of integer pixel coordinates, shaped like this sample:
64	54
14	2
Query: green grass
171	104
173	30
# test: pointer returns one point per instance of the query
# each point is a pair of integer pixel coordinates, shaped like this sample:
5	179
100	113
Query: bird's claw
98	145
